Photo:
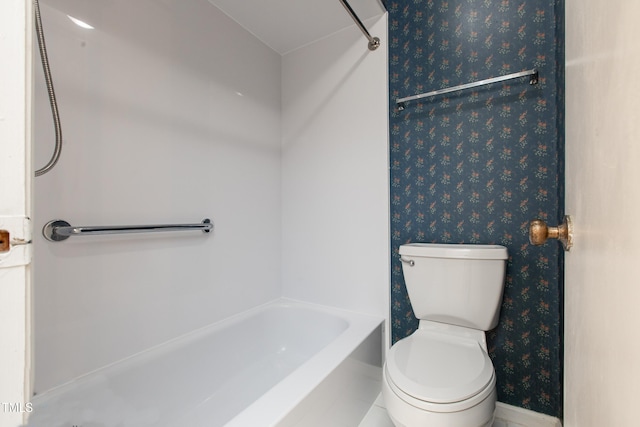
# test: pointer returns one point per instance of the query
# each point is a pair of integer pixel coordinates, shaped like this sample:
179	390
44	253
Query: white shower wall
172	112
335	172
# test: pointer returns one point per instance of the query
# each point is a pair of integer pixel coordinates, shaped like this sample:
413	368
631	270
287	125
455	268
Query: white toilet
441	375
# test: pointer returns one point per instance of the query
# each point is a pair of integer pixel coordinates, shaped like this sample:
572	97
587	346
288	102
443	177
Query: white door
15	182
602	301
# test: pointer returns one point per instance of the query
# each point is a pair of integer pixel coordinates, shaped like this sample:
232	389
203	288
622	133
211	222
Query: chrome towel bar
532	80
58	230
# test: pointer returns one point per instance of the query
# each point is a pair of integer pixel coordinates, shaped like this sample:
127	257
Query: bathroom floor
377	417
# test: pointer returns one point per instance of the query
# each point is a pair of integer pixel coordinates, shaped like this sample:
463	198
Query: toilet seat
435	370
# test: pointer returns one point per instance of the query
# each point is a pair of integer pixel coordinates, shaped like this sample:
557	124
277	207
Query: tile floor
377	417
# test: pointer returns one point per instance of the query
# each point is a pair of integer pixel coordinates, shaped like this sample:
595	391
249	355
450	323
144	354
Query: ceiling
285	25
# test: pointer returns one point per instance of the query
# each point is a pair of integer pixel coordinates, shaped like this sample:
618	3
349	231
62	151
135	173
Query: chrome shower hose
52	96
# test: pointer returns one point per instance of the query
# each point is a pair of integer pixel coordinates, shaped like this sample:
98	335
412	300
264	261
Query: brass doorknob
539	232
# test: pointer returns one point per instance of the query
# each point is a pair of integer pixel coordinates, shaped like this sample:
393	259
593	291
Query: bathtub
283	364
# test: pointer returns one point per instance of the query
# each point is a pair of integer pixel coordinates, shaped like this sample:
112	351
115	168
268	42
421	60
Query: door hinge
15	241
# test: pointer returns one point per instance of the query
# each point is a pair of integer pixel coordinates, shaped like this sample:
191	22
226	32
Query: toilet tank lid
446	250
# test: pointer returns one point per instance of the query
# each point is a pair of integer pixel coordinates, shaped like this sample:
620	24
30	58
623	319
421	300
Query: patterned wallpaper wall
476	166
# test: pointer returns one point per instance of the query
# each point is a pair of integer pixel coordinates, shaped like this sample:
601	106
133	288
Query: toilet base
403	414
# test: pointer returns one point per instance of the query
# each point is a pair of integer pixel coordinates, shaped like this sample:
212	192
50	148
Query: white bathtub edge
277	403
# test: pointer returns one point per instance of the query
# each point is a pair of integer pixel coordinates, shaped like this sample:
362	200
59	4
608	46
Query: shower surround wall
172	112
335	211
477	166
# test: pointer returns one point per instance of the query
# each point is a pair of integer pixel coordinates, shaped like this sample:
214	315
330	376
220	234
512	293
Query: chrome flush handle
408	261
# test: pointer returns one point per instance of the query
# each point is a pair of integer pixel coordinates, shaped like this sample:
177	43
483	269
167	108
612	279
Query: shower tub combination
282	364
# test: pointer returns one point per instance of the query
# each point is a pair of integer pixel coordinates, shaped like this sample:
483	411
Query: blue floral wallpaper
476	166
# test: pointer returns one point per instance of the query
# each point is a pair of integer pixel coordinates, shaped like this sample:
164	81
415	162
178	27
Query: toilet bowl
434	378
441	375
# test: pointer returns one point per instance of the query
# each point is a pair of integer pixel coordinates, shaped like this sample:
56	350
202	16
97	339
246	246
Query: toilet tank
457	284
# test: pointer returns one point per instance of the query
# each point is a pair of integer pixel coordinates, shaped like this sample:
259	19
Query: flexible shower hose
52	96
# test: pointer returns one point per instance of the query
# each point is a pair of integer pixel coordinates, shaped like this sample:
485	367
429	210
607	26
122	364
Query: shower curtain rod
58	230
374	42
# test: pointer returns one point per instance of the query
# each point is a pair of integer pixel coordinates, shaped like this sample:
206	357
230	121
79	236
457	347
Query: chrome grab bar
59	230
